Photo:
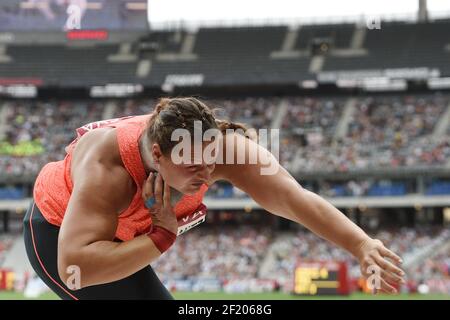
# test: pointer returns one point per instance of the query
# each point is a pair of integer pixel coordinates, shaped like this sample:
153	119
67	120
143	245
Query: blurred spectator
225	254
393	131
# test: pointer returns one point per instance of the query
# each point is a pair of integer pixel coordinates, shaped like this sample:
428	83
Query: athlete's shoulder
233	146
96	163
100	144
99	147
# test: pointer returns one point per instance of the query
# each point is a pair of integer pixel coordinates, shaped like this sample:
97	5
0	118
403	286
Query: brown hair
181	112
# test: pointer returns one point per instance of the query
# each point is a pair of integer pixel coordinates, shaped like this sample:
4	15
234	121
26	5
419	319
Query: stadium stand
349	145
187	267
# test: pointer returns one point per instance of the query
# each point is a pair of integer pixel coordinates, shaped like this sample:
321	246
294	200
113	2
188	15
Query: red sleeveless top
53	185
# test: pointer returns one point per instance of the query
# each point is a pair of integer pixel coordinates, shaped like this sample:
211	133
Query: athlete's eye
193	168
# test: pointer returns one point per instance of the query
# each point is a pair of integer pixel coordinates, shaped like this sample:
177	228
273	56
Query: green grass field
258	296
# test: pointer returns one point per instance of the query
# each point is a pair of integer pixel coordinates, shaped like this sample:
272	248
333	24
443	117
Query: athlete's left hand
161	210
380	266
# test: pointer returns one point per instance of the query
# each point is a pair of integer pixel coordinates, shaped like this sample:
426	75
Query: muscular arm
280	194
90	222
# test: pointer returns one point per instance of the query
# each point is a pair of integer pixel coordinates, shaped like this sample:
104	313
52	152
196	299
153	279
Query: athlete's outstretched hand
160	208
380	266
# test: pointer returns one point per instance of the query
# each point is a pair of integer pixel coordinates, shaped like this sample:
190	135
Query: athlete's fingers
386	287
388	266
158	190
391	277
389	254
166	195
147	188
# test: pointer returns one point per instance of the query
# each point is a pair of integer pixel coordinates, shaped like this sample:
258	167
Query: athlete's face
188	171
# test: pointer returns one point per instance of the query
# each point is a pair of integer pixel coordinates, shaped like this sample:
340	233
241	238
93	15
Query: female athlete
102	215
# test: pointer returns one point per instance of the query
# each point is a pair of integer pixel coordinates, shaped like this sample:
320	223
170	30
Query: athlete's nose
206	171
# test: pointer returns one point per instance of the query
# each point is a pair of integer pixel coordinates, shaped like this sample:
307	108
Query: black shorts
41	243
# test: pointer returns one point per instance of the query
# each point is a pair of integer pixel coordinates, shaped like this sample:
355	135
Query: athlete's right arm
89	225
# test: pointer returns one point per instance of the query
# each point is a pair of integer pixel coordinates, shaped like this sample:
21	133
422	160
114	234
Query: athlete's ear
156	153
